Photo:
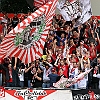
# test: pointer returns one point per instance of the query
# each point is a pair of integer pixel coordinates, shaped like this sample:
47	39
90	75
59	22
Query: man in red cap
53	76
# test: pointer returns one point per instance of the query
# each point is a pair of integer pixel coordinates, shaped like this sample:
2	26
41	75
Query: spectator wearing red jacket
65	68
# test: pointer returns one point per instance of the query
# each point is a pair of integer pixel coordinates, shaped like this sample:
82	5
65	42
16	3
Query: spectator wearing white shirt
82	84
73	72
46	72
21	75
81	48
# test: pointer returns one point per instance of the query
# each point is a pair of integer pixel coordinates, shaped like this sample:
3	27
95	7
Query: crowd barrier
49	94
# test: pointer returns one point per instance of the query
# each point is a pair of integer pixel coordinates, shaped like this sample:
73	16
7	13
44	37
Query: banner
49	94
75	10
36	94
86	94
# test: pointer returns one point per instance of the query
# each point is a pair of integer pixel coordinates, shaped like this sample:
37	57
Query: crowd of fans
68	51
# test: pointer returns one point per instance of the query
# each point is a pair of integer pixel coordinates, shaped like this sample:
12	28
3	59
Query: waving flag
39	3
26	41
78	10
65	82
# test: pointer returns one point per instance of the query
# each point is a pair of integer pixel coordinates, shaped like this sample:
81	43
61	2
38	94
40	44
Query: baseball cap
53	69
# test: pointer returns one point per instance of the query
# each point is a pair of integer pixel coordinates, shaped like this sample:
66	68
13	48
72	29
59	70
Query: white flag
75	9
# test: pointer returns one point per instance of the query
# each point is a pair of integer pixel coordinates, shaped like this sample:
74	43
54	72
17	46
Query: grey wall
95	4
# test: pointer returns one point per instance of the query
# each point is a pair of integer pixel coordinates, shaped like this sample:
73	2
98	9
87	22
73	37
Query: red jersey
72	49
92	52
1	28
65	68
10	74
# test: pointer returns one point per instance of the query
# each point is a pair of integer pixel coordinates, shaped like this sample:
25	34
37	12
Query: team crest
31	33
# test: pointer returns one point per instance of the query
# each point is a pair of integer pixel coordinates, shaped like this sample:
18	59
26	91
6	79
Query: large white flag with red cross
26	41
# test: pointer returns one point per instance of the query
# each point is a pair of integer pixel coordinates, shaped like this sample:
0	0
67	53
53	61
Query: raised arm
55	64
41	66
15	63
27	69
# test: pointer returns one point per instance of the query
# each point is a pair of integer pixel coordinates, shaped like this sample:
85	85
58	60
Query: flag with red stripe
39	3
65	82
26	41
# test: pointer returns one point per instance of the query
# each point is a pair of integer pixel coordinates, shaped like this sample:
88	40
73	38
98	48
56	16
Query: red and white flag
25	94
65	82
39	3
26	41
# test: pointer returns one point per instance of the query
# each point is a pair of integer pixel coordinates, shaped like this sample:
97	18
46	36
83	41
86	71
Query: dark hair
75	29
40	68
21	65
46	64
74	52
40	59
